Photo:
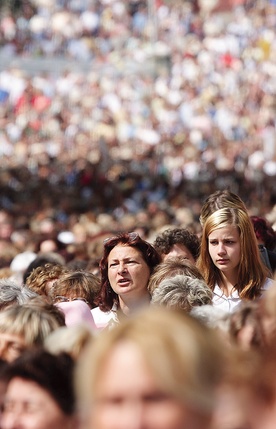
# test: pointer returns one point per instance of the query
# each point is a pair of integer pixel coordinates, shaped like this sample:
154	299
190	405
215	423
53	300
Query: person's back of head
41	278
182	292
78	284
32	321
218	200
11	293
171	267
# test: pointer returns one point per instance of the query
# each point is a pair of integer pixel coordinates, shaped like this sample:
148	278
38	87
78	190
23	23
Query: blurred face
179	250
127	396
28	406
225	250
128	273
11	346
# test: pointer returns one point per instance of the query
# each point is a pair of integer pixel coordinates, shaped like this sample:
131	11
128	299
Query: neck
129	305
228	283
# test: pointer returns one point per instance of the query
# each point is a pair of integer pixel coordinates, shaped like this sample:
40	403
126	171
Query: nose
221	249
122	268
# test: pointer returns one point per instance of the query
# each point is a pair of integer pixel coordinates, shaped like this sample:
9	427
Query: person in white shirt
230	260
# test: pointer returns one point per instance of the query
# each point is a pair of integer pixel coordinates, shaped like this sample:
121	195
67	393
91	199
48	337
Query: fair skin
225	251
179	250
128	275
29	406
11	346
131	398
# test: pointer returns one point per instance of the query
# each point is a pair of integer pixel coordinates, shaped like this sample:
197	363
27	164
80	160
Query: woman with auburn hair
125	267
229	259
157	370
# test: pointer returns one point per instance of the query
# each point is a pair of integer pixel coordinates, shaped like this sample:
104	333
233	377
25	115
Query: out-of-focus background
130	113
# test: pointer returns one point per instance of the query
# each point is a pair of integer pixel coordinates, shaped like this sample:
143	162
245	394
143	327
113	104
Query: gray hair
182	292
12	293
213	317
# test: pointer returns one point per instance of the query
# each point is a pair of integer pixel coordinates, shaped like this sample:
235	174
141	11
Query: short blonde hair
32	322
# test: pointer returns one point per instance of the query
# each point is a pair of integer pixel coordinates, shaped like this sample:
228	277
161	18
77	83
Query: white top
103	319
229	303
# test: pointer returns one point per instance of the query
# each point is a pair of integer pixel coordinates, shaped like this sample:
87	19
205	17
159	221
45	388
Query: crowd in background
194	113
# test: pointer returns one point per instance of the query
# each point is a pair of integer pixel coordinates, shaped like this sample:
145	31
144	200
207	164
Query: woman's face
29	406
127	396
128	273
225	249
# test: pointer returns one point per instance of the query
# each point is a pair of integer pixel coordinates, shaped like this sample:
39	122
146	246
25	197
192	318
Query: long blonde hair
252	273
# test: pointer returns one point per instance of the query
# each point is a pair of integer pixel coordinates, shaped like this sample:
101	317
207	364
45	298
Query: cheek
170	416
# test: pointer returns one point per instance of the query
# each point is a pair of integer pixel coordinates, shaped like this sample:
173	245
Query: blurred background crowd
128	114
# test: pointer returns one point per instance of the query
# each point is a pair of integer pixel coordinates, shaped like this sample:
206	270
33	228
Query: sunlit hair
12	294
182	292
107	297
251	271
40	277
184	357
75	284
31	321
171	267
219	200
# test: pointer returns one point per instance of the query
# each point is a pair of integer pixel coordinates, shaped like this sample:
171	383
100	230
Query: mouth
222	261
123	282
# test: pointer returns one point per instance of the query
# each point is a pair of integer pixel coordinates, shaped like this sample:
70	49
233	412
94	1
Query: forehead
132	375
122	251
225	231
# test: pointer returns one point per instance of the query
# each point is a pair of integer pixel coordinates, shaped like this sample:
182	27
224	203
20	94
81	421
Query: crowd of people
193	114
138	215
179	332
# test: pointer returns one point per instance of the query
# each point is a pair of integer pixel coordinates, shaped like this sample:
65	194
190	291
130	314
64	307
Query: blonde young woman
230	260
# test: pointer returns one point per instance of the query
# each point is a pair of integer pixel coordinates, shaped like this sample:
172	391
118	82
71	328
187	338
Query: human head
41	278
171	267
177	241
107	297
12	294
245	326
40	392
26	326
182	292
250	265
77	284
183	358
218	200
264	232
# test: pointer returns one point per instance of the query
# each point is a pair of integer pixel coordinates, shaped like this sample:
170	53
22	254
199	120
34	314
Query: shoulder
268	284
102	318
